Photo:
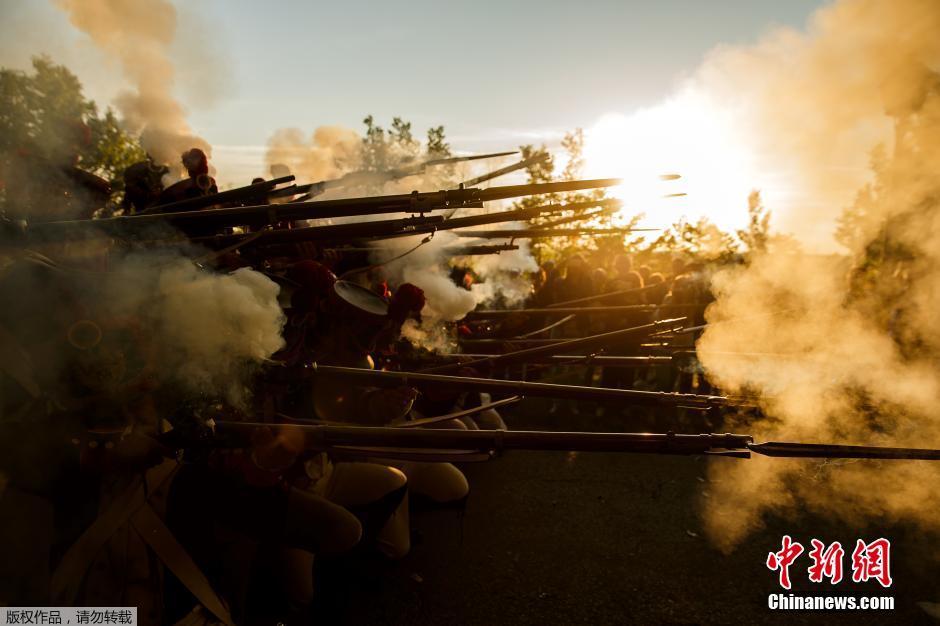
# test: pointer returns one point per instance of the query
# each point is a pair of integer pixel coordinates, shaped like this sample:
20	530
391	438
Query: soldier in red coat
198	184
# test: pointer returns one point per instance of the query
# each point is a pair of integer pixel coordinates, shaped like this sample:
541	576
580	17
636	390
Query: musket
455	251
578	359
515	215
206	222
545	329
509	169
240	194
502	341
379	378
610	294
561	347
365	177
580	216
479	250
333	232
390	229
587	310
384	442
546	233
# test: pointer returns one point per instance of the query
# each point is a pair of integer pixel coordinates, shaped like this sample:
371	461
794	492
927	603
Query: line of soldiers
98	508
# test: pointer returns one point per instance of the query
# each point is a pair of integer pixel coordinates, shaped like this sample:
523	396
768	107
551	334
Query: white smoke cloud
208	329
859	335
139	35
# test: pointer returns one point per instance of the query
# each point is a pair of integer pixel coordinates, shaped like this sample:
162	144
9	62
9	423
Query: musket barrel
480	250
378	440
229	195
355	230
330	437
208	221
831	451
561	347
533	189
471	157
546	233
387	229
580	359
549	390
625	308
609	294
499	216
506	170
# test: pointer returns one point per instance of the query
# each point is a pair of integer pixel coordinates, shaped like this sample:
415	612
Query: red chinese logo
872	560
827	562
869	561
783	559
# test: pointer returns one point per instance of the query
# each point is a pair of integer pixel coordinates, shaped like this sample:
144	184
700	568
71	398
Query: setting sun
688	136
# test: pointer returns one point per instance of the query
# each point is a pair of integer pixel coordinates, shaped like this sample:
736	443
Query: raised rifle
583	359
365	177
376	229
480	445
599	341
249	193
611	294
581	216
547	233
479	250
379	378
509	169
207	222
586	310
387	229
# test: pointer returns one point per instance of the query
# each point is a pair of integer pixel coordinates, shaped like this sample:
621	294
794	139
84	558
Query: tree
701	239
386	150
397	149
39	112
438	148
757	234
543	171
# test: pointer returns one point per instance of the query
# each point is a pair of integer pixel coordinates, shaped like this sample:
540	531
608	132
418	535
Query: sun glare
686	136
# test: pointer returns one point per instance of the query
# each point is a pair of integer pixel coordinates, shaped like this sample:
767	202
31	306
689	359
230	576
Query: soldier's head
408	300
196	163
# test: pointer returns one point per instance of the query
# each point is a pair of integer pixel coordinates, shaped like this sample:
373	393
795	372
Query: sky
495	74
486	70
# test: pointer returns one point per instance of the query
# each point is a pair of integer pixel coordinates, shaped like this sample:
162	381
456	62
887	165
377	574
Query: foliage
543	171
40	112
386	150
573	145
700	240
757	234
438	148
858	222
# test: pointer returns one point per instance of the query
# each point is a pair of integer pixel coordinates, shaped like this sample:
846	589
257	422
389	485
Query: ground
592	538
